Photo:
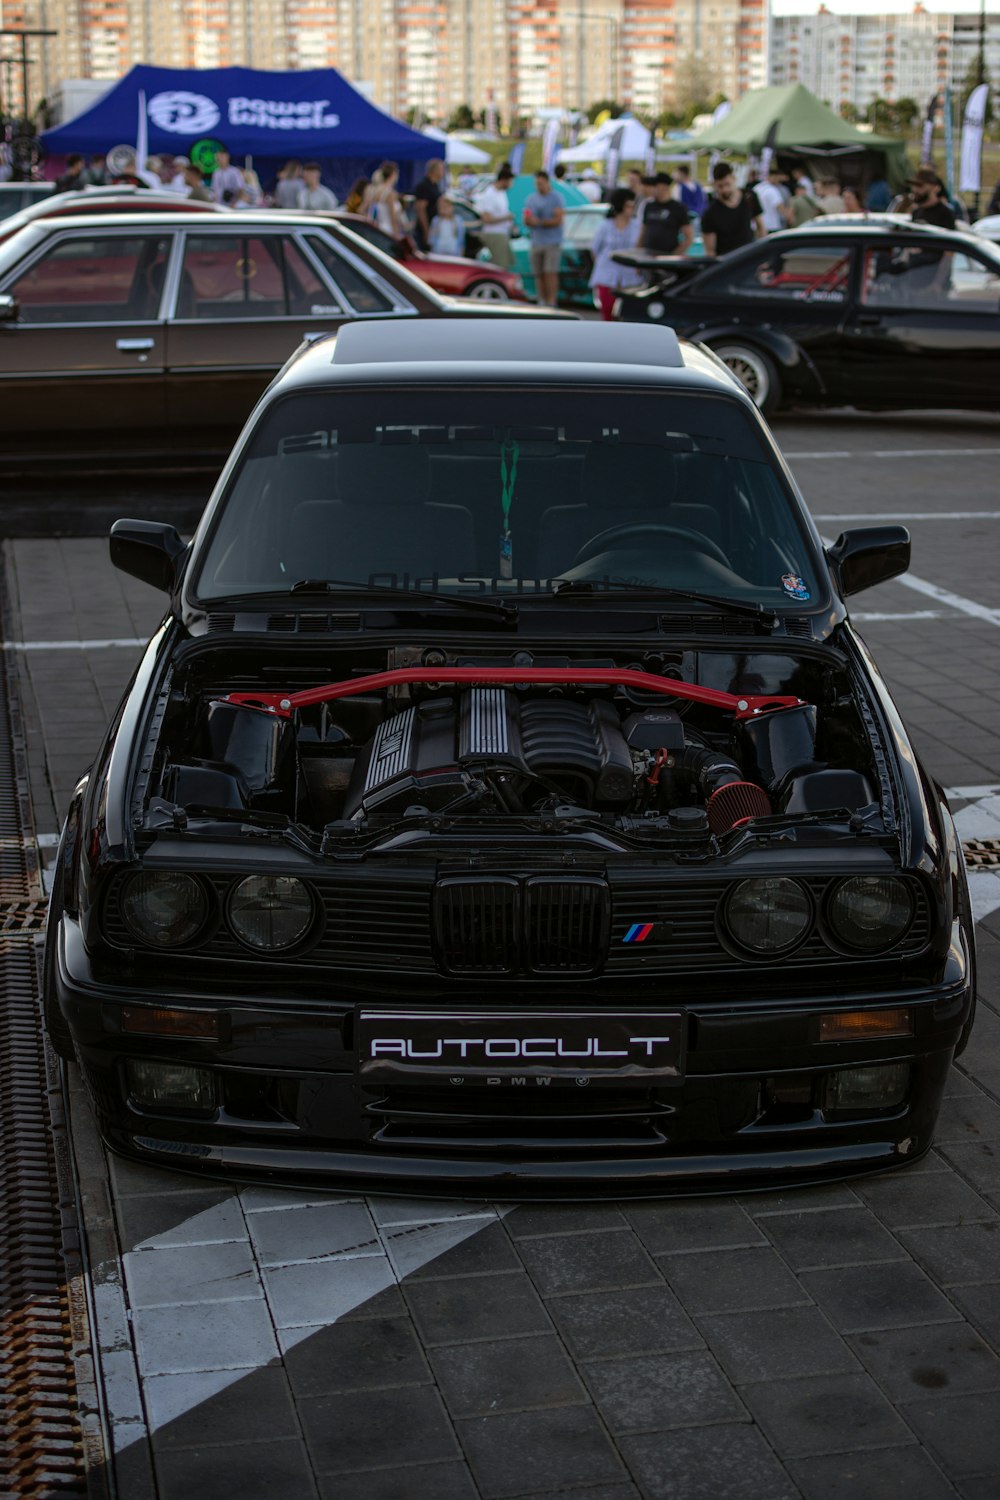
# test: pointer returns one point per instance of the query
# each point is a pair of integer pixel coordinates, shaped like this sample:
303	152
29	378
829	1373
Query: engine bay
439	740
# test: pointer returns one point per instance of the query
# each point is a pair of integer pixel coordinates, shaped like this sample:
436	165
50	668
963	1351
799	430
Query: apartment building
428	55
853	59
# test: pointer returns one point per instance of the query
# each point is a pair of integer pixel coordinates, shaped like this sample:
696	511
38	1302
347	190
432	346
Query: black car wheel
488	291
755	372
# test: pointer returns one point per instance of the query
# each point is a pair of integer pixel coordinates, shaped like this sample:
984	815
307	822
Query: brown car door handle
133	346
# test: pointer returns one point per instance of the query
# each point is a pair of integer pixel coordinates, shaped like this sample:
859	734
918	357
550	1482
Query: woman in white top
619	231
381	202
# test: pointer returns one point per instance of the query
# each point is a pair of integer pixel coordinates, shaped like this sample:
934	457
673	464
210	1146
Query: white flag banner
142	133
970	172
550	143
721	111
613	158
142	146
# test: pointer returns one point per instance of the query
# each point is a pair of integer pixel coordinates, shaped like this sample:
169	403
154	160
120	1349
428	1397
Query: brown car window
246	276
97	279
306	292
359	293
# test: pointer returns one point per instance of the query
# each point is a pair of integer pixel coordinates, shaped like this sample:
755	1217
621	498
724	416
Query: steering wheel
642	530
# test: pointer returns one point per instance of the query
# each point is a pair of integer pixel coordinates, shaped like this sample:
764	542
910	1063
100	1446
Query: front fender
799	375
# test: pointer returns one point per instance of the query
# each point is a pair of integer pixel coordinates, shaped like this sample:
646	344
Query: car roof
234	218
578	352
625	343
876	224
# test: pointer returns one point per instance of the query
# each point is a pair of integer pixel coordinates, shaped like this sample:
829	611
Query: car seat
380	522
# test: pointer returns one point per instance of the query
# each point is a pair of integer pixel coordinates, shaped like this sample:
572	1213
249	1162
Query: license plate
511	1048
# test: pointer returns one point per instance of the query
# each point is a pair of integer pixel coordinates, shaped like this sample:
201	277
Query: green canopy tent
807	129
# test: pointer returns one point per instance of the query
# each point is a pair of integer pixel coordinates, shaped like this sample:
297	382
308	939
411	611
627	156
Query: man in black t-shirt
666	225
732	218
425	200
930	204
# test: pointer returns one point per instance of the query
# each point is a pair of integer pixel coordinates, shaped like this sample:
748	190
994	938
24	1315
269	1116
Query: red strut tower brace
740	705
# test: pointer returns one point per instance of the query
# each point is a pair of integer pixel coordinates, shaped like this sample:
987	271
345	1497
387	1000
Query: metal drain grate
981	854
23	918
42	1452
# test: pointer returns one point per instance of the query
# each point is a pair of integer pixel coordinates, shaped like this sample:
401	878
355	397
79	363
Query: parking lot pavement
831	1342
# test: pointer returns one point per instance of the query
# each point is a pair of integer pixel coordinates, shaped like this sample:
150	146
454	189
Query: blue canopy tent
313	115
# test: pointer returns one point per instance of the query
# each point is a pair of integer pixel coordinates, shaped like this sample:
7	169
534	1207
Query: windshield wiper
585	589
505	609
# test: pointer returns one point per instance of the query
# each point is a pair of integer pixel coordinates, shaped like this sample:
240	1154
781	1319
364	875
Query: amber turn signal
855	1025
164	1021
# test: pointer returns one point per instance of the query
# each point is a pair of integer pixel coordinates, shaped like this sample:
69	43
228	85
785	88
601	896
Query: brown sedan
154	334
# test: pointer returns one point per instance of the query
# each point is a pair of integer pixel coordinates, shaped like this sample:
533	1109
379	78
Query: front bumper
290	1108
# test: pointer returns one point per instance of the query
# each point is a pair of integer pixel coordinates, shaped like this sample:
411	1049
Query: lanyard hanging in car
509	450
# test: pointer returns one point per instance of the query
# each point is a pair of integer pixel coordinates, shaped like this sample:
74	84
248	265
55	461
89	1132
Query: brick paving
823	1343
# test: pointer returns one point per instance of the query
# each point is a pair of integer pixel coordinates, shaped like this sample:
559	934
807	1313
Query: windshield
514	492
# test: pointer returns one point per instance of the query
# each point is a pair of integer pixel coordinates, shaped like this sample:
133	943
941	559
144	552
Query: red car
452	275
115	199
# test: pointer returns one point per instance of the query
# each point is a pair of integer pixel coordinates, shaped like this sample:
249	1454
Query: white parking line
912	614
122	642
231	1289
899	453
912	515
953	601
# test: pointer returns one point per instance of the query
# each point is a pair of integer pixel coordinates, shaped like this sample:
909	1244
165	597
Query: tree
695	88
878	114
461	118
849	112
902	115
600	105
481	120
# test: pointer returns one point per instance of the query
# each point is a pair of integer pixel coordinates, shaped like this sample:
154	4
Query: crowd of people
658	213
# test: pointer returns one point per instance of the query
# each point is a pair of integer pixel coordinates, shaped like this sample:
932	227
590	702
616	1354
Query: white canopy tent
635	142
458	153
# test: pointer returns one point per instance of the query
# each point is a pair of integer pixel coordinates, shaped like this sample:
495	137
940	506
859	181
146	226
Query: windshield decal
794	586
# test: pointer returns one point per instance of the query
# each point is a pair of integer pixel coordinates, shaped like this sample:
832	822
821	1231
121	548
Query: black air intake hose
729	798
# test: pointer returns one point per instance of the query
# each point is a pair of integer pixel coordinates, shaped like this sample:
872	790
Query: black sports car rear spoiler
664	267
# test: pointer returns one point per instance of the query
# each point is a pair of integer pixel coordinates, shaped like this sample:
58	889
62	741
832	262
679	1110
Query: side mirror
149	550
9	309
871	555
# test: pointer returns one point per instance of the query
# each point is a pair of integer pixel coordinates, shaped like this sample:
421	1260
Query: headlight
768	916
270	912
655	309
164	908
870	913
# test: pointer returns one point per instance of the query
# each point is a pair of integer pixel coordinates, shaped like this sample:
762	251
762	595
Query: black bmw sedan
876	313
506	802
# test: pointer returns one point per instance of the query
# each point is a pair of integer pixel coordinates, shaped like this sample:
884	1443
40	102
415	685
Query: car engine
348	759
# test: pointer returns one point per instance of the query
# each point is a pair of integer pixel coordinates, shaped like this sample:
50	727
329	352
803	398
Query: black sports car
506	802
876	313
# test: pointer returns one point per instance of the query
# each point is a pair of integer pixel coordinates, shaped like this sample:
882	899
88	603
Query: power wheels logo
183	113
